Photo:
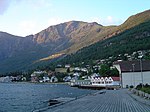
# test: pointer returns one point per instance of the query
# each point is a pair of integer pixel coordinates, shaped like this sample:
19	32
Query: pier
109	101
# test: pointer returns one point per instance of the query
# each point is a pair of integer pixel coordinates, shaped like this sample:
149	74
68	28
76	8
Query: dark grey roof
130	66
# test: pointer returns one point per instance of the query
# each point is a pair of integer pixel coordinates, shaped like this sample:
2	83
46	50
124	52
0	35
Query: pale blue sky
25	17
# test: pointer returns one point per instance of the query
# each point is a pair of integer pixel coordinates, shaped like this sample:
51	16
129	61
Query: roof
130	66
116	78
108	78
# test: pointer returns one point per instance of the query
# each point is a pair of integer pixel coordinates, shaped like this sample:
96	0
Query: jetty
105	101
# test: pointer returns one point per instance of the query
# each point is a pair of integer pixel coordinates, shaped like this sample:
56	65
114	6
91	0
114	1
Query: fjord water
27	97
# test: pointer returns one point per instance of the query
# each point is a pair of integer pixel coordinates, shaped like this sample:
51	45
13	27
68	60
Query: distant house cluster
12	78
6	79
43	76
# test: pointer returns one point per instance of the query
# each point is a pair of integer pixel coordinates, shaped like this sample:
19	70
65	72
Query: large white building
133	73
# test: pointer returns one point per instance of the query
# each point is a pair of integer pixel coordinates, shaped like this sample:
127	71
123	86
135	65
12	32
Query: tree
68	70
105	70
114	72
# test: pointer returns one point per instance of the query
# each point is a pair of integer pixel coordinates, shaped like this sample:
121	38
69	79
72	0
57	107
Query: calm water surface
27	97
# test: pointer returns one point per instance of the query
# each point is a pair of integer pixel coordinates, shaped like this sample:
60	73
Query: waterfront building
35	76
53	79
97	81
46	79
105	81
67	78
132	73
6	79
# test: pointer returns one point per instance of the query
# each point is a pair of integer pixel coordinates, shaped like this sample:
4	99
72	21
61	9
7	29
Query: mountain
22	53
100	33
135	20
131	40
71	36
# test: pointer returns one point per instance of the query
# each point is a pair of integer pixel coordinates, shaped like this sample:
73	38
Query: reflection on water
26	97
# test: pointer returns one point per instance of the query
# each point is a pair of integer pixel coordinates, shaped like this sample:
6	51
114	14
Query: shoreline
36	82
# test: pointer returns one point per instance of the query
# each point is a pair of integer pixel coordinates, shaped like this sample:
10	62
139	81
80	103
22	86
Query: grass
145	88
63	70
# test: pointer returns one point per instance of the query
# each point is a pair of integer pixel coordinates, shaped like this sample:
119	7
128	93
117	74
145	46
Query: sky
25	17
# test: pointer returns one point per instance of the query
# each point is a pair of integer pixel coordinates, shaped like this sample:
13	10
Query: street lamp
133	66
141	68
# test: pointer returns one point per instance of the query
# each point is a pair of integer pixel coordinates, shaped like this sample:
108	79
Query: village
126	71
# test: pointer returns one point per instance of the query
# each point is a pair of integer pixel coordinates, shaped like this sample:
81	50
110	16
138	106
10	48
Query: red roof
116	78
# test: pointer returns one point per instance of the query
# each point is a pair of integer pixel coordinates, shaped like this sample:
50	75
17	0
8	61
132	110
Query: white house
133	73
53	79
67	66
105	81
67	78
84	70
46	79
6	79
76	69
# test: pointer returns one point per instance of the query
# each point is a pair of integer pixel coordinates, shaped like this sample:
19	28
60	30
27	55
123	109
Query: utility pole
141	68
133	66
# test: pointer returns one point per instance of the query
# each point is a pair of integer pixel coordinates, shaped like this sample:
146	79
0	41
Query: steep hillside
129	41
135	20
10	44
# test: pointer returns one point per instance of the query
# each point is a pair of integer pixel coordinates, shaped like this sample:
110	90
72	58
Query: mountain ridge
65	38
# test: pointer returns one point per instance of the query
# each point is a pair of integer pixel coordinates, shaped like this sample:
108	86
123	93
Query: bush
131	86
146	88
138	87
127	86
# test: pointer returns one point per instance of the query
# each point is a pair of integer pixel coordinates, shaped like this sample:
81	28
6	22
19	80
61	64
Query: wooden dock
110	101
